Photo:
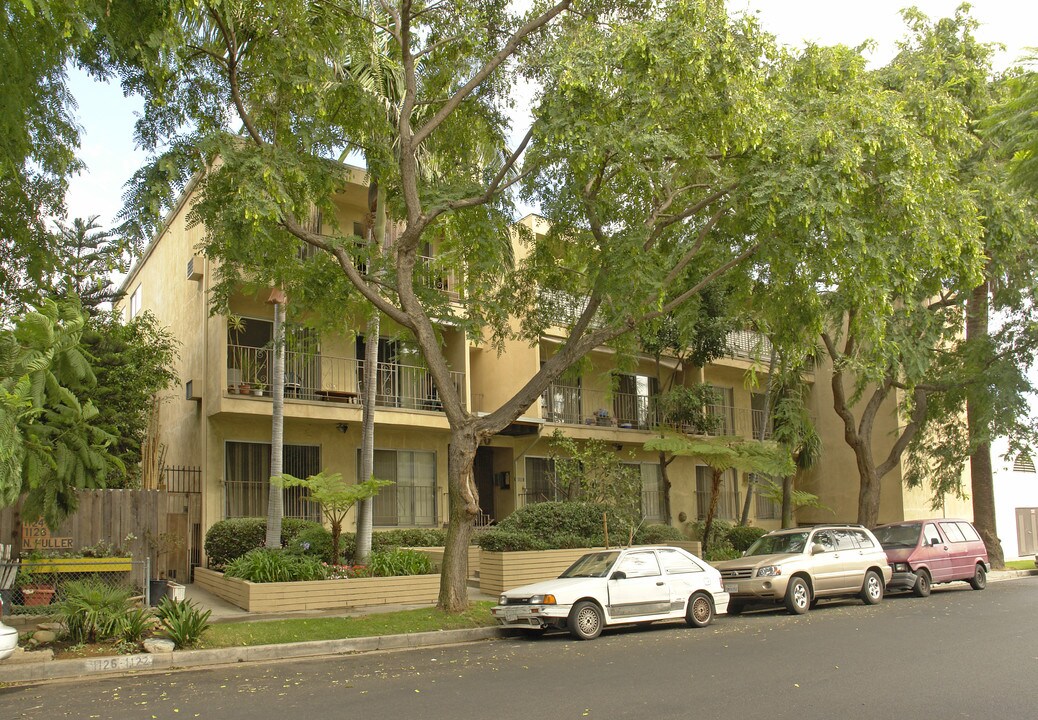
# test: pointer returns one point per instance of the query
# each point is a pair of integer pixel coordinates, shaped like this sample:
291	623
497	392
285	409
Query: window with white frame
411	499
727	494
135	302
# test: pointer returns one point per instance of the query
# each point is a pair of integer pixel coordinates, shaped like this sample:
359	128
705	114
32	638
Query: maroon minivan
925	552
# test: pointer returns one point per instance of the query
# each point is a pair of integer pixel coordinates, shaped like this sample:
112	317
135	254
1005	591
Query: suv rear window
864	541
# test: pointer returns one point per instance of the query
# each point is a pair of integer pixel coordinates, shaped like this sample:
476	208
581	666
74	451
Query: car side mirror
817	548
618	575
934	542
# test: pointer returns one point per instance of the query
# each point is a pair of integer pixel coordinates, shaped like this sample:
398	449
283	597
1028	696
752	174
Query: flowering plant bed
320	594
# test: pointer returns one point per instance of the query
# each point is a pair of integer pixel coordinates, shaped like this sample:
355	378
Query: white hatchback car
8	637
618	587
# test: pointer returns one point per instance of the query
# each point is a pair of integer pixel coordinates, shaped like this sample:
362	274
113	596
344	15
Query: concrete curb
186	659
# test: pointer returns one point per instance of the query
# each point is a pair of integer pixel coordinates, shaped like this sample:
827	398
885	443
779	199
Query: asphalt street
957	654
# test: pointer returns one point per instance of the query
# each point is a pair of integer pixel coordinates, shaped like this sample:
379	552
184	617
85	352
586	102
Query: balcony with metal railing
573	405
320	377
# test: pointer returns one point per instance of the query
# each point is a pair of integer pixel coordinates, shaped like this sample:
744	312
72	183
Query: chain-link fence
30	587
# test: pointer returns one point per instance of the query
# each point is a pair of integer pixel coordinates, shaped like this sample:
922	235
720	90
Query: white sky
107	117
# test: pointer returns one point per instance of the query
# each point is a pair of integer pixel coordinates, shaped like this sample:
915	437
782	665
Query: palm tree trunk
745	518
275	501
715	487
376	239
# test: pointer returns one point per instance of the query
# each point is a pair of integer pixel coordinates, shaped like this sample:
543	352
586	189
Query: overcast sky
107	117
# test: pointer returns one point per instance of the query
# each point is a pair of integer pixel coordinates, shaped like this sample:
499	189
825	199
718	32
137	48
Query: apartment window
135	302
767	508
247	479
652	491
727	494
411	499
540	480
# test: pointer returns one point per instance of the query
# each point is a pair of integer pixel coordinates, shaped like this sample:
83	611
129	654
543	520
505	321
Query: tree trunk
715	487
464	507
981	475
665	481
336	539
787	501
365	509
275	501
868	491
744	519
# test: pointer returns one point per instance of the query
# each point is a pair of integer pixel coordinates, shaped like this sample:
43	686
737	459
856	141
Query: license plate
511	615
731	588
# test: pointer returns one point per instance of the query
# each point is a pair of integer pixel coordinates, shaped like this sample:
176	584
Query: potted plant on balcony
602	417
260	390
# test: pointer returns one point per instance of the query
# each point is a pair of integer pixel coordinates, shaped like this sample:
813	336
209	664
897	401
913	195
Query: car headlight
769	571
503	600
542	599
901	567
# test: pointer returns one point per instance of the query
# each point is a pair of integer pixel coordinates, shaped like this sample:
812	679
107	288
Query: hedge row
229	539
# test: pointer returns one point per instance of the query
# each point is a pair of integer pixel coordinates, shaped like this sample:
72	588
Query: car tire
872	589
735	607
922	584
979	581
798	596
585	620
700	611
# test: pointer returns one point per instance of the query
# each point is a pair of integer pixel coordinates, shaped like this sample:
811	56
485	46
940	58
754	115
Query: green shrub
398	561
502	540
92	610
312	542
135	625
232	538
264	565
725	552
408	537
657	534
182	621
740	538
551	520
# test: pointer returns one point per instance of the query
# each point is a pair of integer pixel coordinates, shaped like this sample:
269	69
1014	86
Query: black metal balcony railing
315	376
573	405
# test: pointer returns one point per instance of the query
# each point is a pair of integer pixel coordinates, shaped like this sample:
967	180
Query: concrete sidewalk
27	669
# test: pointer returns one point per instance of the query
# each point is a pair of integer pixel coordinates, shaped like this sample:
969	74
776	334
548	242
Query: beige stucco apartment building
219	418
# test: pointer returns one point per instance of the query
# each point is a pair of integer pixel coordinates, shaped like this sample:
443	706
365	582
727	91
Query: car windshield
778	544
592	565
906	535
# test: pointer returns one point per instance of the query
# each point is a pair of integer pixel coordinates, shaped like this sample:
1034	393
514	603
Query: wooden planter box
500	571
436	557
80	565
320	594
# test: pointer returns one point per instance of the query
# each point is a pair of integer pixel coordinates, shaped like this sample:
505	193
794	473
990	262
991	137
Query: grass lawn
1020	565
274	632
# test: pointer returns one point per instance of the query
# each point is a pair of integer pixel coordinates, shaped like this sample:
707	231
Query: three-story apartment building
220	418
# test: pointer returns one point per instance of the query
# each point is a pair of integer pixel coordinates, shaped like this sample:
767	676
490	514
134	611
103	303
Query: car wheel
922	584
735	607
979	580
585	621
798	596
872	589
700	610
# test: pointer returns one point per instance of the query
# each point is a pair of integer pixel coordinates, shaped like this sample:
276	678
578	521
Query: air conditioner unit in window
190	393
194	268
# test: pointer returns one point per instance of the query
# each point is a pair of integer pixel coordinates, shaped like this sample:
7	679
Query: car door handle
659	584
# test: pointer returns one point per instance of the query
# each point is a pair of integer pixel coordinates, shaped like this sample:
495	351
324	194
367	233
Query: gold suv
801	565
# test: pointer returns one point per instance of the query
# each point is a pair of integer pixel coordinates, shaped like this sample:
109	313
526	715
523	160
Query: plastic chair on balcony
292	385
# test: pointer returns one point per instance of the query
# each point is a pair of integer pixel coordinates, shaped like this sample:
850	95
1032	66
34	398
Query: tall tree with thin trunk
276	501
